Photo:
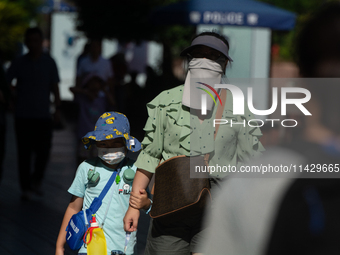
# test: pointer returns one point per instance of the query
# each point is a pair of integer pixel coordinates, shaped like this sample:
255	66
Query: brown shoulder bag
176	195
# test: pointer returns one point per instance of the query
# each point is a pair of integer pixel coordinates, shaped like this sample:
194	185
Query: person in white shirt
95	64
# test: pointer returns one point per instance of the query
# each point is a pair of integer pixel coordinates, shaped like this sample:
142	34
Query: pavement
31	227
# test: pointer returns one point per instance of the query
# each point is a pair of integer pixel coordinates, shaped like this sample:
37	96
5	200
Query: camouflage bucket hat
109	126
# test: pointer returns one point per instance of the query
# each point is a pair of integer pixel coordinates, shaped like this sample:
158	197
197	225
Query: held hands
139	200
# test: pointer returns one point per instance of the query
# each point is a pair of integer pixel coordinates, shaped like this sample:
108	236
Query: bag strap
97	202
219	113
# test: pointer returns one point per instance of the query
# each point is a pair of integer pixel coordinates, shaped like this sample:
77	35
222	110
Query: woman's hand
140	200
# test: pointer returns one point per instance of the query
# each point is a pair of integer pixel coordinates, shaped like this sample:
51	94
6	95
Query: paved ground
31	228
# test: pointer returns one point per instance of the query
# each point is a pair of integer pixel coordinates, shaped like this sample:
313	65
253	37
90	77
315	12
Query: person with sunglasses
176	126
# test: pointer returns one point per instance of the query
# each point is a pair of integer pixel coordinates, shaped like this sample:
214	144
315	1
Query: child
112	139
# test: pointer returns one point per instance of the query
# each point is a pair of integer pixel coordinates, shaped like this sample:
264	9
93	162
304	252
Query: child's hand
139	200
131	219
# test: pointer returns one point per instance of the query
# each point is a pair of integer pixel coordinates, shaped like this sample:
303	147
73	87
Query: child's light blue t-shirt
113	225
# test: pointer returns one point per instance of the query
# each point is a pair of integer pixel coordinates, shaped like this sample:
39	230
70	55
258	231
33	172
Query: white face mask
200	70
111	156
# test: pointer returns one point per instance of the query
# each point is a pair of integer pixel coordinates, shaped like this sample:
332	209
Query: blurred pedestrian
94	63
152	87
134	96
92	99
4	103
86	51
295	213
120	70
36	77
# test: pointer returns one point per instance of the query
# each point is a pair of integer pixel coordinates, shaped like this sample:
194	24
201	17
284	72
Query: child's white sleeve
78	185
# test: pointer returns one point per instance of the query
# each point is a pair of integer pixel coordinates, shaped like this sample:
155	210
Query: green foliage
177	36
30	6
14	19
128	20
303	9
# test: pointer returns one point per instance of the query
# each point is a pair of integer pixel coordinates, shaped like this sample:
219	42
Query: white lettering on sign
233	18
195	17
252	18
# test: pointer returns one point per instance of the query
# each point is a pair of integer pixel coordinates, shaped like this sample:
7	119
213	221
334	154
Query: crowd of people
295	214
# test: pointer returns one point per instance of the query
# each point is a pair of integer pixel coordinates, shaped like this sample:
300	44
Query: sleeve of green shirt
152	143
248	143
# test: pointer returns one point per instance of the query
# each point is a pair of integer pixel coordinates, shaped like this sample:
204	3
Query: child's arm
74	207
141	181
140	200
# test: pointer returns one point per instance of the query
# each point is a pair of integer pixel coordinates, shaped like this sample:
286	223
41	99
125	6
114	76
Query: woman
178	126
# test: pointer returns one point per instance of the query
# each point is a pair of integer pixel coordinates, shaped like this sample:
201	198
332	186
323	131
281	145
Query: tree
303	8
128	20
15	17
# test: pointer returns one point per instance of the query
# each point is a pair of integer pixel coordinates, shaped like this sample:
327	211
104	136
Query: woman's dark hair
215	34
223	58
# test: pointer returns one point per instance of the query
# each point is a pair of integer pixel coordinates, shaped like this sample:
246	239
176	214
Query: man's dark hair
33	30
319	39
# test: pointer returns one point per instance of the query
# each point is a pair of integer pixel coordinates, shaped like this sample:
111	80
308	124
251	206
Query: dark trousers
34	138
